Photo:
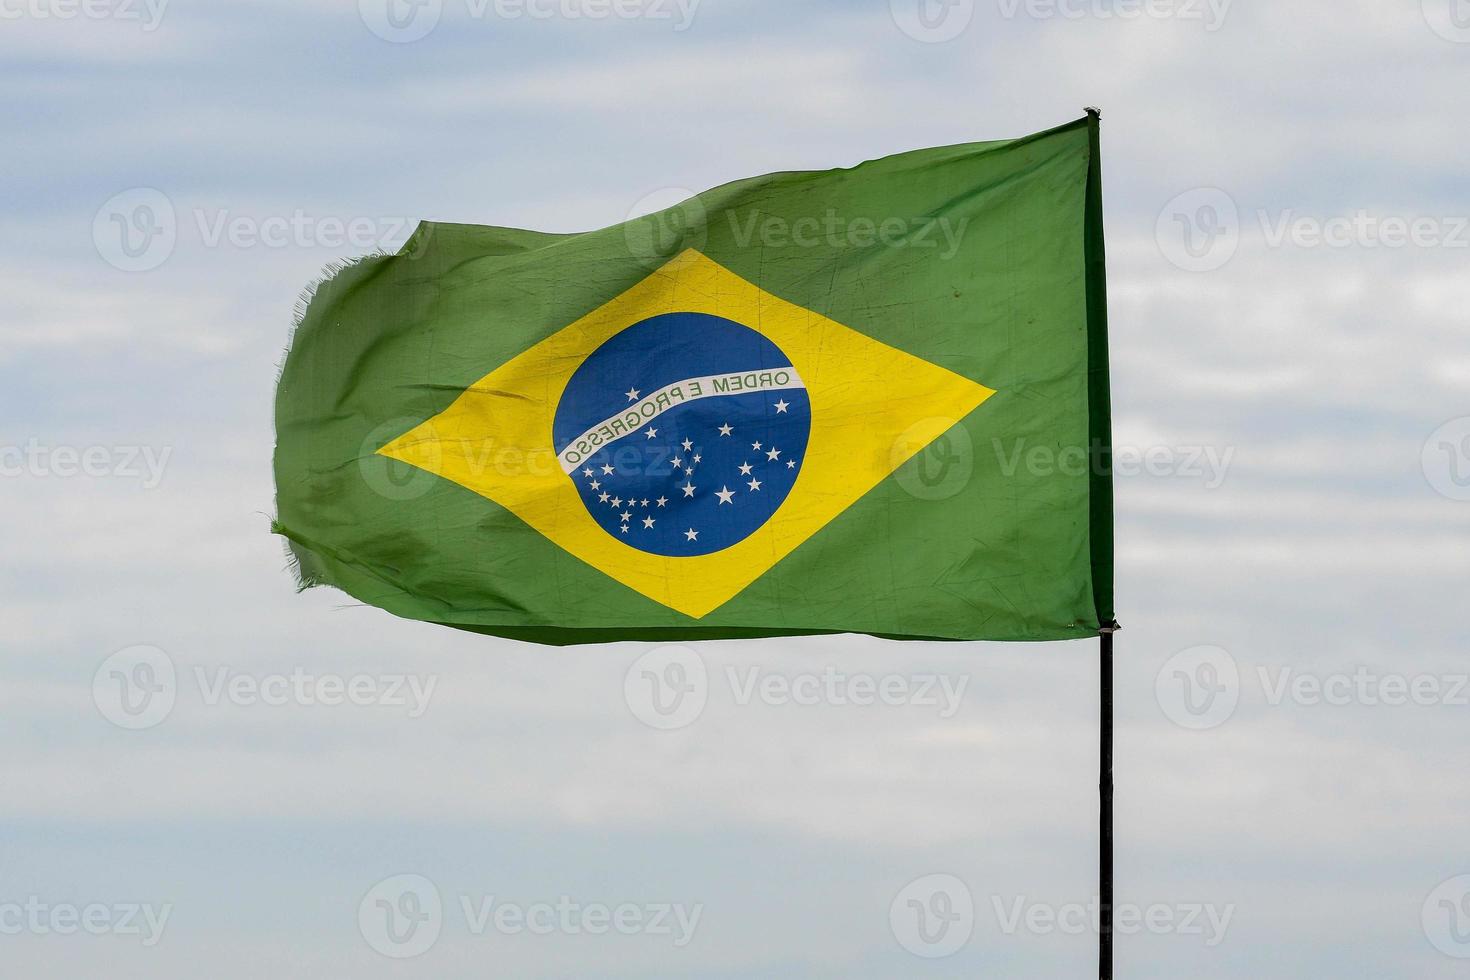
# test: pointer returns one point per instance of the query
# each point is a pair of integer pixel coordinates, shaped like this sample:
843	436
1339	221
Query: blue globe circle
683	433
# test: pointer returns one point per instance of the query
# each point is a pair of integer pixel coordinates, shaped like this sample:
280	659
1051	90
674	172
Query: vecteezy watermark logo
385	471
667	687
404	21
1364	686
1199	230
1446	917
933	916
569	917
400	21
393	478
840	689
37	460
835	230
939	470
136	687
401	917
135	230
1198	688
1446	459
1208	464
40	918
932	21
680	12
1211	13
1363	229
147	13
219	227
1206	920
224	685
1450	19
1202	686
138	230
663	223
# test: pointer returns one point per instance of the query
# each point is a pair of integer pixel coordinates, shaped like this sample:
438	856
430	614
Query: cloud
1321	549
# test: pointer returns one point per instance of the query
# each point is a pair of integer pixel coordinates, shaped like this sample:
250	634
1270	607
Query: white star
755	445
692	534
791	464
688	489
745	469
587	471
632	394
678	462
625	516
687	445
698	458
607	469
595	485
651	433
782	406
725	429
773	455
617	501
724	493
624	529
754	484
662	500
643	503
603	497
648	522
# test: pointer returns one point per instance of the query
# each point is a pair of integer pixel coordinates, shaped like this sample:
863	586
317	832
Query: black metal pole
1105	814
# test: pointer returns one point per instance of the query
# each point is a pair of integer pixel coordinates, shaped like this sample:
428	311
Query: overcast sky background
1334	540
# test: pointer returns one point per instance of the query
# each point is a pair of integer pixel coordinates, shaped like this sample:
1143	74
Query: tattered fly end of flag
787	406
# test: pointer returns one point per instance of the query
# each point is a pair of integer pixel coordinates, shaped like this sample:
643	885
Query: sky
206	772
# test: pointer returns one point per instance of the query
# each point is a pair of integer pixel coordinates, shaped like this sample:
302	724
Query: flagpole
1105	809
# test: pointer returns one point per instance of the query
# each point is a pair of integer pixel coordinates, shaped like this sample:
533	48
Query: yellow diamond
873	407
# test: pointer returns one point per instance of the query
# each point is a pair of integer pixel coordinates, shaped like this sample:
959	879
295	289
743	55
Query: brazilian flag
865	400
